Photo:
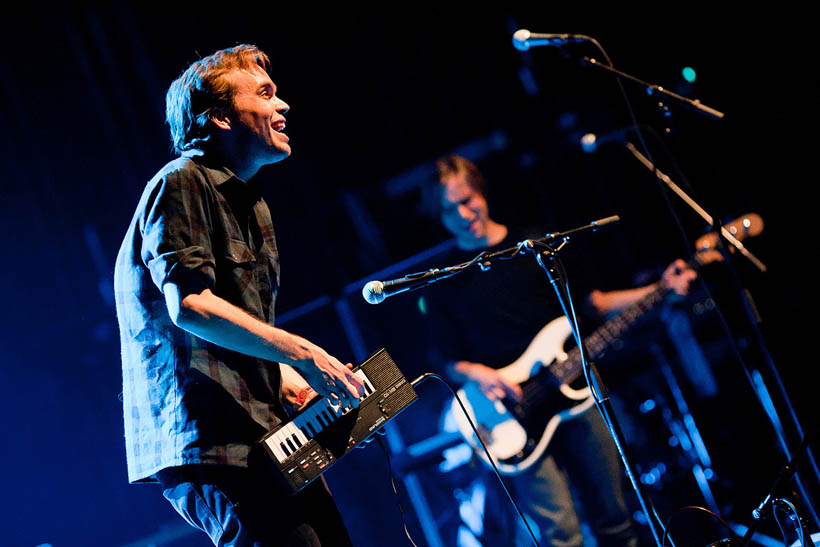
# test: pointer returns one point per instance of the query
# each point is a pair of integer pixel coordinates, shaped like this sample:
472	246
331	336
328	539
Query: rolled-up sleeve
176	234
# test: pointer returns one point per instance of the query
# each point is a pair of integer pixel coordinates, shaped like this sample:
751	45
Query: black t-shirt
491	317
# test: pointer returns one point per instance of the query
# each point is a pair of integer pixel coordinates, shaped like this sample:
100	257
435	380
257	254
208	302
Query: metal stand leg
683	427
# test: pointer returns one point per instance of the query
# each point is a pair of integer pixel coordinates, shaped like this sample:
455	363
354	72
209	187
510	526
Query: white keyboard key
293	436
278	439
277	450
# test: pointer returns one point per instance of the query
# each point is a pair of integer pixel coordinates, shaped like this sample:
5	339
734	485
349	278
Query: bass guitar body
517	435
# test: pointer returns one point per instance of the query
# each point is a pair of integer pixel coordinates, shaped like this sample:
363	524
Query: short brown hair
452	165
202	87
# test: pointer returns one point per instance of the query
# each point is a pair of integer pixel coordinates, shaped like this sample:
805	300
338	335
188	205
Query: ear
220	118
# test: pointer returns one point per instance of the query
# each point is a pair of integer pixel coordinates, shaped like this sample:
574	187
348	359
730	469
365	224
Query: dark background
375	98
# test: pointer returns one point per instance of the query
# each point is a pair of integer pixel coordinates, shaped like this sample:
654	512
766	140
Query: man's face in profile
257	115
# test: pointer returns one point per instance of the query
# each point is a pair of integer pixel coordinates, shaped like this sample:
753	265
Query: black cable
801	533
426	376
689	249
458	268
782	528
732	342
395	491
755	327
687	244
735	537
675	167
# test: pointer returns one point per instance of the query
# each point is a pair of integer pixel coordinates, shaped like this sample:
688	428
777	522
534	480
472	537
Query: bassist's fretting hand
677	277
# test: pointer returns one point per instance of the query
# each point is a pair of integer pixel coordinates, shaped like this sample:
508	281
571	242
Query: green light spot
422	305
689	74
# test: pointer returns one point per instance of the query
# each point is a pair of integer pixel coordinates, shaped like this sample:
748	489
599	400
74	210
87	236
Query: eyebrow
268	84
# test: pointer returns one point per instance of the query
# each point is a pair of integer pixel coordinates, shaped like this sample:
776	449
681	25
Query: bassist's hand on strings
492	384
678	277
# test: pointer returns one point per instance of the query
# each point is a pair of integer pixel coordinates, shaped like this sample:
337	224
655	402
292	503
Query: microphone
590	142
524	39
376	291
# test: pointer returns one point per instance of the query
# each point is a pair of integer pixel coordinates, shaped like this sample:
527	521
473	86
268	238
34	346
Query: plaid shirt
185	400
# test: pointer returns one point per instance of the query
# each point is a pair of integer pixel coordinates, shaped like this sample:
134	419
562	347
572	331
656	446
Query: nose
281	106
465	212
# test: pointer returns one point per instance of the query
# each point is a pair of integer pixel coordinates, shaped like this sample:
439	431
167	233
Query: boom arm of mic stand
485	259
653	89
695	207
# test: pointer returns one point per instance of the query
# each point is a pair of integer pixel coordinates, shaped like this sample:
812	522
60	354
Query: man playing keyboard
312	421
196	280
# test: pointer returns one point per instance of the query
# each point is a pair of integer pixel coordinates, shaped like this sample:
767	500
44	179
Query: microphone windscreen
520	38
373	292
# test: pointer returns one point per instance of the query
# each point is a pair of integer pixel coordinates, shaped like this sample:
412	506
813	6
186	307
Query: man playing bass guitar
487	320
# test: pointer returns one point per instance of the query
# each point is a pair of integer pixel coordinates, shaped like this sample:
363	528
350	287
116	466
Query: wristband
303	394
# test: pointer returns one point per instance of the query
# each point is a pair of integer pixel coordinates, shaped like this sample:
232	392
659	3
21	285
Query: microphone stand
547	258
786	472
726	238
751	311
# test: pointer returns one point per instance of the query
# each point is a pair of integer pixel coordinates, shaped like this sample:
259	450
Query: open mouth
279	127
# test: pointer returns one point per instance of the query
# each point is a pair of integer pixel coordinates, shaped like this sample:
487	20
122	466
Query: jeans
237	507
581	458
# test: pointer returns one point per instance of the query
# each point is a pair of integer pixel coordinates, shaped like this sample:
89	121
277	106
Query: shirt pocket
238	252
235	276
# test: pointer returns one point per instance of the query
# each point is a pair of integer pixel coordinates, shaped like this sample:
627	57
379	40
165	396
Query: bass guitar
518	433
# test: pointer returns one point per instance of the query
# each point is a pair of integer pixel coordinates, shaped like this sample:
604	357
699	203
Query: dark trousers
238	507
